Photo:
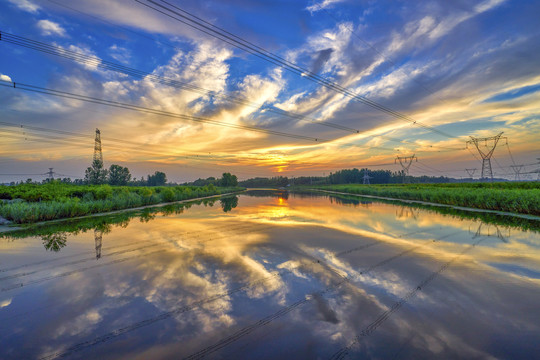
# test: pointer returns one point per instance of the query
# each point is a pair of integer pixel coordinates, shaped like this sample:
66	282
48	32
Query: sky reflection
276	276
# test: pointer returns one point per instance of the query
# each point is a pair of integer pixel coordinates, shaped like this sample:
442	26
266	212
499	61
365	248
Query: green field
28	203
514	197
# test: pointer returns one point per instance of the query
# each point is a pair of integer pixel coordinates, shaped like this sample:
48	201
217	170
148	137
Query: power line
107	65
388	59
199	24
142	109
67	142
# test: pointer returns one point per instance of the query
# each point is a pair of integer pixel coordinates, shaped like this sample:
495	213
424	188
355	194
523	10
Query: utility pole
405	162
486	155
471	172
366	177
517	170
97	147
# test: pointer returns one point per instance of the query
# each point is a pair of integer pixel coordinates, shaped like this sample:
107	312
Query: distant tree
96	174
118	175
227	179
158	179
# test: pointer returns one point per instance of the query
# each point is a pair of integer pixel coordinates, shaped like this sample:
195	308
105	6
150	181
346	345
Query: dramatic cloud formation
440	72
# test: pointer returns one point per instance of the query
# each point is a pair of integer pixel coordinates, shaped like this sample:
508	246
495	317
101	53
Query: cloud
322	5
48	28
321	58
26	5
120	54
5	78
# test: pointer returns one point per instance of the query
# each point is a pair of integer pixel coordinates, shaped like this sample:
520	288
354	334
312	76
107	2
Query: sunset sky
434	72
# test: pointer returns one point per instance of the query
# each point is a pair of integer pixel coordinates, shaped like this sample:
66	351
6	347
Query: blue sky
465	68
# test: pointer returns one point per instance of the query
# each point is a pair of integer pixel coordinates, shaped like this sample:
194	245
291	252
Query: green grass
30	203
521	198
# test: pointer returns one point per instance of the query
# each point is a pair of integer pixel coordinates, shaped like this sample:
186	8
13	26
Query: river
270	274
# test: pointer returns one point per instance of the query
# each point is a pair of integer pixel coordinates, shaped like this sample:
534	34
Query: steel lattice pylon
97	147
517	171
405	162
366	177
486	155
471	172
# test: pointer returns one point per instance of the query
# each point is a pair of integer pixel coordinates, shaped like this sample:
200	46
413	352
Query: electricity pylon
471	172
97	147
50	173
366	177
498	233
486	155
405	162
517	171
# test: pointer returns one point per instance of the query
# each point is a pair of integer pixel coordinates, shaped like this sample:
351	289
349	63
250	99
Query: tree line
346	176
119	175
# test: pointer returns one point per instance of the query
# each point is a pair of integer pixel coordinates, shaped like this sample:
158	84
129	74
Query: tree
158	179
118	175
228	180
96	174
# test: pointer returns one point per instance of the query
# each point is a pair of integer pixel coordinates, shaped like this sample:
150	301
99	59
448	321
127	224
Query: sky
350	83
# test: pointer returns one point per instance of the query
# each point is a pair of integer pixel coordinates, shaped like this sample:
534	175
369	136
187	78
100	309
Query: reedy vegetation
31	203
514	197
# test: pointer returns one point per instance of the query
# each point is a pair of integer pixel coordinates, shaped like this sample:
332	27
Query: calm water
274	276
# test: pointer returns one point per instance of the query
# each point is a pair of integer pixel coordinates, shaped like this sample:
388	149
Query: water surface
273	275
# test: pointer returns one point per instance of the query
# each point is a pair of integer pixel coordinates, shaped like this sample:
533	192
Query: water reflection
281	276
54	242
228	203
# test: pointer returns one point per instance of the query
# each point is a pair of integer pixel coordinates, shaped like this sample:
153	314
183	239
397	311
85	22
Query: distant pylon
366	177
98	236
471	172
97	147
486	155
517	170
50	173
405	162
538	171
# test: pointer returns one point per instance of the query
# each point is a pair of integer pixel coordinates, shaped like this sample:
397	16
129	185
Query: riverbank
110	200
513	198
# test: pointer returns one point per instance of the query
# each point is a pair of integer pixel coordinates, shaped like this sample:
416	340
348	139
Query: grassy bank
521	198
28	203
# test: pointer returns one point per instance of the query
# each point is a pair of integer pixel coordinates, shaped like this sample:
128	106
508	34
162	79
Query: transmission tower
486	154
471	172
517	171
98	236
97	147
366	177
405	162
50	174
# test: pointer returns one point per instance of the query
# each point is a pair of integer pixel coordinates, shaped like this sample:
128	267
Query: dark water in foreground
297	277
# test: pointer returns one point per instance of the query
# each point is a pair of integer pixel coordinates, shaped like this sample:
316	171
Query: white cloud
48	27
120	54
5	303
323	5
89	64
25	5
5	77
